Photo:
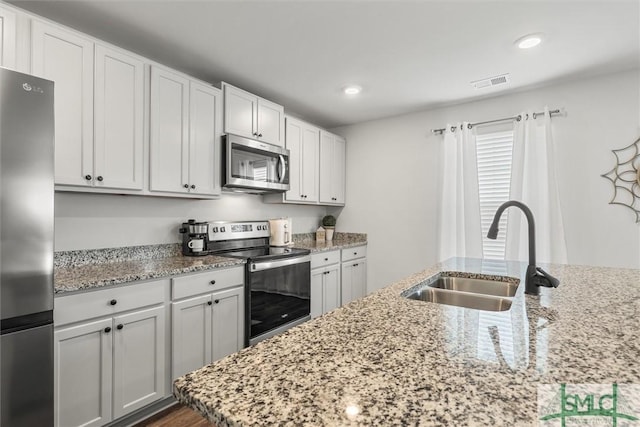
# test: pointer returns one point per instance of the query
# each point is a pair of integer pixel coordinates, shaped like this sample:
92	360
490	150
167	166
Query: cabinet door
310	154
67	59
270	122
7	38
295	132
82	374
338	174
169	136
326	160
331	297
138	367
240	112
317	279
227	322
191	329
119	94
354	280
204	139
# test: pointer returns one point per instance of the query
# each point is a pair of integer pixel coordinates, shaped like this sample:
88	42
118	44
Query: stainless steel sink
460	299
475	285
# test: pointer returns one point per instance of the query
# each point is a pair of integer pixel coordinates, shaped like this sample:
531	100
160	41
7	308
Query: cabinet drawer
325	258
107	302
210	281
353	253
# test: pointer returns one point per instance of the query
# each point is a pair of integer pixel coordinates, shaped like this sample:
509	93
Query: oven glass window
279	296
257	165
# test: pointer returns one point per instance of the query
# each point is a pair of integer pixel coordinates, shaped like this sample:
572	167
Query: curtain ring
461	126
527	116
519	117
453	128
469	126
535	115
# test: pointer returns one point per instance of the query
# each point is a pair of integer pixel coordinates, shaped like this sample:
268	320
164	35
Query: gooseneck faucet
535	276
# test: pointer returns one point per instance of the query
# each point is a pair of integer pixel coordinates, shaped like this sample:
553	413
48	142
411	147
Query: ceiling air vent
491	81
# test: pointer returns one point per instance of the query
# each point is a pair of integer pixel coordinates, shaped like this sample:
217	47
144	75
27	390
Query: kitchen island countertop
388	360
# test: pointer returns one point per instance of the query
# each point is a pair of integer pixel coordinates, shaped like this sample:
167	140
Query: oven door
255	166
278	296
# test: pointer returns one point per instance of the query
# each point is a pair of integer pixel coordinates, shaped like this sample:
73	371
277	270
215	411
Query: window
494	151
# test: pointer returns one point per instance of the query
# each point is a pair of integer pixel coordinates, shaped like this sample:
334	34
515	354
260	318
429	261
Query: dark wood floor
176	416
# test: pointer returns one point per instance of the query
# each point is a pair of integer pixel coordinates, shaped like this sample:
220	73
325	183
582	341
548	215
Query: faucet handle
543	278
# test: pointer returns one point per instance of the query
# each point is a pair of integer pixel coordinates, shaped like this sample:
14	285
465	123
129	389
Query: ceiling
406	55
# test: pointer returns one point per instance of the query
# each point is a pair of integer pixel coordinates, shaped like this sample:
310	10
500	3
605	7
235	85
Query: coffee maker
195	238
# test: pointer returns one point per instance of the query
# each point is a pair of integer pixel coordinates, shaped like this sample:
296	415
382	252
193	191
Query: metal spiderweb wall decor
625	177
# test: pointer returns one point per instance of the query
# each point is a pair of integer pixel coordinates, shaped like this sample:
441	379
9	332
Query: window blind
494	151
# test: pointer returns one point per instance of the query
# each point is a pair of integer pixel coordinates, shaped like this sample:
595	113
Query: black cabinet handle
107	330
209	302
355	265
99	178
326	259
255	134
213	282
259	135
87	177
186	186
120	326
113	302
216	301
193	187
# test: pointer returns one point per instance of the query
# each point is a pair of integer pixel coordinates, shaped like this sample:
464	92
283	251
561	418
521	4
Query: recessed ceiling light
529	41
352	90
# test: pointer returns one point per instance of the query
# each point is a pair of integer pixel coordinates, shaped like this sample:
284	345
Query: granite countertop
388	360
340	241
97	268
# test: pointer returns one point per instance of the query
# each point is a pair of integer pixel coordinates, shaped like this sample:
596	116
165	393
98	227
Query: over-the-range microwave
252	166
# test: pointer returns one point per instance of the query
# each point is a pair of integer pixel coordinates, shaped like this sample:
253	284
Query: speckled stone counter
340	241
386	360
92	269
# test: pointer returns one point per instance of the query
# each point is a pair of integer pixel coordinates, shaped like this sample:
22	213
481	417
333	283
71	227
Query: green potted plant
329	224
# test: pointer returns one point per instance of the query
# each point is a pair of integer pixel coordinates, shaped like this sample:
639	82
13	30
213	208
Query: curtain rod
516	118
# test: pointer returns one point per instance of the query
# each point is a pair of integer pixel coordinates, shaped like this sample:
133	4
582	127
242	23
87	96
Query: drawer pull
355	265
113	302
355	253
120	326
213	282
216	301
209	303
107	330
326	259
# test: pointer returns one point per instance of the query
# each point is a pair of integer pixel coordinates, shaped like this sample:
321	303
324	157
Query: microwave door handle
281	168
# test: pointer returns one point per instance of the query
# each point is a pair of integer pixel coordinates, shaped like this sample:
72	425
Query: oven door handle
268	265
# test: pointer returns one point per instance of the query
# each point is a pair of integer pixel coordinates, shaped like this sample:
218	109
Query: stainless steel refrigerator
26	250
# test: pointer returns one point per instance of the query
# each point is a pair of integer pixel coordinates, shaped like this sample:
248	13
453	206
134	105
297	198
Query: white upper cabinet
119	120
332	169
7	38
253	117
303	142
205	131
169	148
67	59
184	140
99	102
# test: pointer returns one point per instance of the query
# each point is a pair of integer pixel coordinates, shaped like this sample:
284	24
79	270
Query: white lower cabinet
107	367
325	290
354	273
209	326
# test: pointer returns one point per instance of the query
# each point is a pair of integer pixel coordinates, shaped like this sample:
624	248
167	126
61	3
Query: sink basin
460	299
475	285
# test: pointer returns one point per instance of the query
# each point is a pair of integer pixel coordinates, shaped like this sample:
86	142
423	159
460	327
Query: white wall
393	169
90	221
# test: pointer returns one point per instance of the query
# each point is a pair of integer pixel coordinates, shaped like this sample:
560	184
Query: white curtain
460	229
533	182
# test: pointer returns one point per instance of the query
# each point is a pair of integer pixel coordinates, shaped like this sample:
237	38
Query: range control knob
222	229
215	229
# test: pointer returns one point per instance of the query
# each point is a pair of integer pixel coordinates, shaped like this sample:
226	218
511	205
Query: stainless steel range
277	279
